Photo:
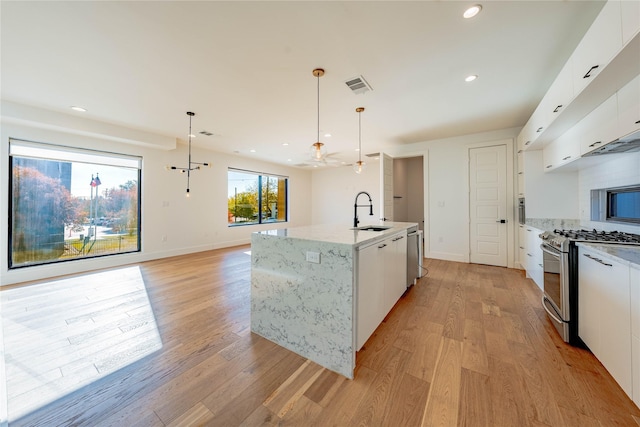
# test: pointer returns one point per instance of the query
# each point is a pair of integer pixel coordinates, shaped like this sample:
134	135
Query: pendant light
318	150
359	166
192	166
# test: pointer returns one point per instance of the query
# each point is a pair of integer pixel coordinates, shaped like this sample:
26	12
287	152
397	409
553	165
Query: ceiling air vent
207	133
373	155
358	85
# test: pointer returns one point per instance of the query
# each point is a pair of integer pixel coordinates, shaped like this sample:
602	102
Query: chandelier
192	166
318	150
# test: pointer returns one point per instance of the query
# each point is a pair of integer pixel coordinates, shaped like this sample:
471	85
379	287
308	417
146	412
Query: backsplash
616	170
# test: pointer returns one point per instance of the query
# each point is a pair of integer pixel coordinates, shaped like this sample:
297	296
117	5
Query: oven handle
553	316
553	252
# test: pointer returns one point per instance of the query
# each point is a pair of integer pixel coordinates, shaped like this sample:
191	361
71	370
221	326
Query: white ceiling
245	68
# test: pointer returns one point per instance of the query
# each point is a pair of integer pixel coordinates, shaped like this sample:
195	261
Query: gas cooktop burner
599	236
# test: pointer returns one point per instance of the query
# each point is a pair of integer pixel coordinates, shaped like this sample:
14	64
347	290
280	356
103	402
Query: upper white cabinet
600	126
563	150
560	94
601	43
630	13
629	105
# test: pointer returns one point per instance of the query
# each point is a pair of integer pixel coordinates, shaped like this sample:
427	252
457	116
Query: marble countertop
339	233
550	224
627	254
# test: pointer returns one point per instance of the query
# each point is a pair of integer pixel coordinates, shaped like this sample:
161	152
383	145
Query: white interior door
386	187
488	205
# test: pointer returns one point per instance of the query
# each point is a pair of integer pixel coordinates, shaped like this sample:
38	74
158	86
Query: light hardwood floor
167	343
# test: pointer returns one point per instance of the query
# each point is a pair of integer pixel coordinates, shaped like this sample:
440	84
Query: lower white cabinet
381	281
634	284
533	255
604	319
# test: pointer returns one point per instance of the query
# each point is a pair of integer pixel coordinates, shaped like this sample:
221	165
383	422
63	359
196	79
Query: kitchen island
306	283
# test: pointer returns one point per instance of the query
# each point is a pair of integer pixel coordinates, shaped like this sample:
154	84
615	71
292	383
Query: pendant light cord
360	136
318	135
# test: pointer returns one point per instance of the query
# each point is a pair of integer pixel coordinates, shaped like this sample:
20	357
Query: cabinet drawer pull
598	260
586	76
520	151
520	173
539	129
528	254
566	158
638	122
595	143
527	143
382	246
521	247
549	166
557	108
398	238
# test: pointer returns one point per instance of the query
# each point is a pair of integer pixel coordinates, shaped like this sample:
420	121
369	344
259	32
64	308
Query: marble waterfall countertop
550	224
309	306
340	233
626	254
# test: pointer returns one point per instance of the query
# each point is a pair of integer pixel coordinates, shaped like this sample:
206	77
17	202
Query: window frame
260	176
24	149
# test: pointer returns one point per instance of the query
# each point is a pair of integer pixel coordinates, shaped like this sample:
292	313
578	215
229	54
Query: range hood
626	144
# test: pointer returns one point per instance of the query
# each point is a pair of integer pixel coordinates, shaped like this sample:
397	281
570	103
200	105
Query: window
255	198
67	204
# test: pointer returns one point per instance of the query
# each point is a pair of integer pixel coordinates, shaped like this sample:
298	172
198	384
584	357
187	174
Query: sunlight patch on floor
247	252
64	334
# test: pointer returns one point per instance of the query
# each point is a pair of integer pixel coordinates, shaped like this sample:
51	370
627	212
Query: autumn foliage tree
42	206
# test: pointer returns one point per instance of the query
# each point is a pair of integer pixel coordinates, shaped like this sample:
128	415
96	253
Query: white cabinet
602	42
522	249
370	292
600	126
381	281
563	150
604	319
629	106
634	285
395	274
560	94
630	13
534	255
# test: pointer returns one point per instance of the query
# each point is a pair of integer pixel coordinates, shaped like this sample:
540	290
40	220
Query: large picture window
67	203
255	198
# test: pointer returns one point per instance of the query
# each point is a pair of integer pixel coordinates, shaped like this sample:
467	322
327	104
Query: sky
110	176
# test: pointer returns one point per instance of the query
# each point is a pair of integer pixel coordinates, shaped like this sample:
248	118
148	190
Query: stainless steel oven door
555	300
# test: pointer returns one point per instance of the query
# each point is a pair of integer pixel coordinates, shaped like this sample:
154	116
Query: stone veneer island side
308	307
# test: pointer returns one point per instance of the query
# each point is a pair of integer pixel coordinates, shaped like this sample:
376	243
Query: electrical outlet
313	257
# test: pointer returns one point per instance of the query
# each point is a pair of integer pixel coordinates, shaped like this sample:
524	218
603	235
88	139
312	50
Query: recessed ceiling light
327	135
285	144
357	149
288	160
80	109
252	151
471	78
472	11
191	135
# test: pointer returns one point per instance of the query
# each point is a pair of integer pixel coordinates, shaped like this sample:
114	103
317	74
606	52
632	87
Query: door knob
502	221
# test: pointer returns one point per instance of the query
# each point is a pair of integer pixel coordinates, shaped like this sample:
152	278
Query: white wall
446	186
333	192
190	225
615	170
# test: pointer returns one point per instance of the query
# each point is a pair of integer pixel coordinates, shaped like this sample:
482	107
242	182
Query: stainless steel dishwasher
414	255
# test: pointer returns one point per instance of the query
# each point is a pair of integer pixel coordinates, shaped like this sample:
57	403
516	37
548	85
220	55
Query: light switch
313	257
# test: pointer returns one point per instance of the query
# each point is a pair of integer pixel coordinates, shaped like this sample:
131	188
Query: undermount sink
371	228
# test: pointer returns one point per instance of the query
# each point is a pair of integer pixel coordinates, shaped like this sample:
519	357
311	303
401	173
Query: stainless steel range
560	263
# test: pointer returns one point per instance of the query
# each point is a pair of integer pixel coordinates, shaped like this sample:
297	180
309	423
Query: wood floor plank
468	345
442	404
